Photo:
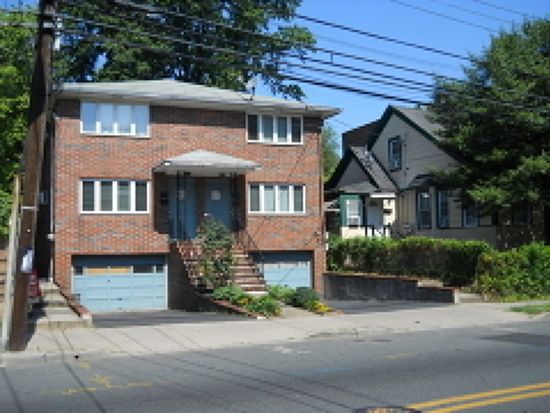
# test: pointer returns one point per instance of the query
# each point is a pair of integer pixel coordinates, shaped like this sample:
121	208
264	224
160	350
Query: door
286	268
183	208
120	283
217	199
375	217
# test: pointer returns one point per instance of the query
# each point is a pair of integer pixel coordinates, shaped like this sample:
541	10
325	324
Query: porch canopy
206	164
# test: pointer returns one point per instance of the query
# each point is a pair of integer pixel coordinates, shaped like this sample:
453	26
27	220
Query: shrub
215	261
304	297
452	261
282	293
232	293
265	305
522	273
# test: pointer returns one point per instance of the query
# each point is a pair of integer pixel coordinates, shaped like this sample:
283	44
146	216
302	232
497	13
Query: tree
497	121
190	40
16	49
330	151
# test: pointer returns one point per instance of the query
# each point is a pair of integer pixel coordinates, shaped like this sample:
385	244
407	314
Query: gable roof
377	179
176	93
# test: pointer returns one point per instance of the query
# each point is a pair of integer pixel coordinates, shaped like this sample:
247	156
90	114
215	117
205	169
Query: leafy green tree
330	151
498	121
110	40
16	48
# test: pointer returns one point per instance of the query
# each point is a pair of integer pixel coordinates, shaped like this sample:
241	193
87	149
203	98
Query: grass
533	309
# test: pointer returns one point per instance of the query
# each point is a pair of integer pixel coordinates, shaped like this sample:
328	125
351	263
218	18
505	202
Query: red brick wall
175	131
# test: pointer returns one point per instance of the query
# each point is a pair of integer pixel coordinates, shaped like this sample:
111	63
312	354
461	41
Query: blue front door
192	199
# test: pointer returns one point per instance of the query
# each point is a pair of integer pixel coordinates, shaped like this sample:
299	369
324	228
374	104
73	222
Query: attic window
395	153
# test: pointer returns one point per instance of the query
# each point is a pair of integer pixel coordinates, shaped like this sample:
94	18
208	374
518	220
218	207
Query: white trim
277	211
275	141
97	197
115	132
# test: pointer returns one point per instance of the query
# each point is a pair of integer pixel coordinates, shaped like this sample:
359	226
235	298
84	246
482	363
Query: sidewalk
164	338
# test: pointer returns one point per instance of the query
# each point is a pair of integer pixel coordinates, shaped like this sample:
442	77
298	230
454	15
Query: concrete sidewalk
172	337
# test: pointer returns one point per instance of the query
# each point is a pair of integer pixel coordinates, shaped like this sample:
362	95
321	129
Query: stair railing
245	240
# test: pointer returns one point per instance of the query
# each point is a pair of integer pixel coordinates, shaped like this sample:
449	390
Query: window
521	213
274	129
353	208
114	119
395	153
443	208
107	196
424	210
276	199
470	216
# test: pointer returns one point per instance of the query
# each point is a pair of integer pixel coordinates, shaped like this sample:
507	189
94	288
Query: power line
381	37
442	15
473	12
502	8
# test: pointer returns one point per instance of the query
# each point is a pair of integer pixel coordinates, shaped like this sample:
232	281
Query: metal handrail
247	242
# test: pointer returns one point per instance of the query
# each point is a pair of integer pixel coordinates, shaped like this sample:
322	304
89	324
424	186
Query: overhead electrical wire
472	12
151	9
502	8
442	15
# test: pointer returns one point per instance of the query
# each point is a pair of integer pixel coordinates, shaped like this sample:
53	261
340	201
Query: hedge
521	273
452	261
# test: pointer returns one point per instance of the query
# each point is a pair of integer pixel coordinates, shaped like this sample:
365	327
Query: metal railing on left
14	225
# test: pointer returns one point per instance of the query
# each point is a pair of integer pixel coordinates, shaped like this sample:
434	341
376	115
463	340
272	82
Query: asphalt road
503	369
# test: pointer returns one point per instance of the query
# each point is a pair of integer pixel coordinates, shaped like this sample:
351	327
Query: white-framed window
395	153
274	129
276	198
101	118
424	209
99	196
353	216
443	208
470	215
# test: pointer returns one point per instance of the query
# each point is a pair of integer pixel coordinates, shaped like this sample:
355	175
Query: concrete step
469	298
54	318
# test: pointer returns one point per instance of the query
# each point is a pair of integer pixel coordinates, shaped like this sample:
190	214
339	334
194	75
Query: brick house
136	166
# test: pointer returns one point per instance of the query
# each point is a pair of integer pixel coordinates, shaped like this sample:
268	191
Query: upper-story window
277	199
275	129
114	119
395	153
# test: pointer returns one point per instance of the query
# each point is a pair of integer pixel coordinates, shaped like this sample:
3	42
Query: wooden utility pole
32	163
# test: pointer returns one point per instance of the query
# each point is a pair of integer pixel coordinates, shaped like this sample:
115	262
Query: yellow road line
490	402
481	395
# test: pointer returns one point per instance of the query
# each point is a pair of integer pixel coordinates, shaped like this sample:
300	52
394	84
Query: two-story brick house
136	166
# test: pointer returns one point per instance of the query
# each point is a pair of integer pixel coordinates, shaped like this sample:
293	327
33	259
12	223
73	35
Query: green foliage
532	309
452	261
305	297
281	293
232	293
16	50
497	120
215	260
156	45
522	273
329	141
265	305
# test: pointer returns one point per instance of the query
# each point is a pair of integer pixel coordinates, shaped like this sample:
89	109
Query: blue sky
424	22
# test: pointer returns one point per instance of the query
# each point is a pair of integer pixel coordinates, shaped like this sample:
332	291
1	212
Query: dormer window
395	153
114	119
275	129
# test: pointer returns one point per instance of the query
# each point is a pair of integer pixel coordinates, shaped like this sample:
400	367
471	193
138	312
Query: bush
215	260
452	261
522	273
282	293
232	293
265	305
304	297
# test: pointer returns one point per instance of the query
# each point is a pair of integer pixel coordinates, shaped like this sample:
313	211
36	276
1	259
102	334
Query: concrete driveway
378	306
152	318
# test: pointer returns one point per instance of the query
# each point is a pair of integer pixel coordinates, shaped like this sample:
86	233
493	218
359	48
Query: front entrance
192	199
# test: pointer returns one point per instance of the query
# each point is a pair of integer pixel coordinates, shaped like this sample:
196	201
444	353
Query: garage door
288	268
119	283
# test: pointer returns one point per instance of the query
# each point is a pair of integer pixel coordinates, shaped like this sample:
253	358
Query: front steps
53	312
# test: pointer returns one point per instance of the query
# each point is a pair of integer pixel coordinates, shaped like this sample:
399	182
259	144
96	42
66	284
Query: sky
461	27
